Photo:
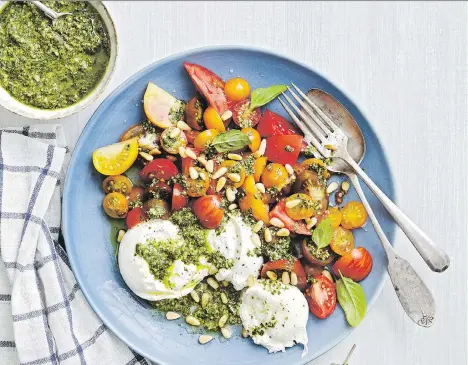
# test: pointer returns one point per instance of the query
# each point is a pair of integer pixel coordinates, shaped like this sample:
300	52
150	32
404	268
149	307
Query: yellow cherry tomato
258	207
213	120
234	167
199	186
274	174
354	215
342	241
204	138
115	205
254	137
116	158
335	217
237	89
249	185
259	166
300	206
317	165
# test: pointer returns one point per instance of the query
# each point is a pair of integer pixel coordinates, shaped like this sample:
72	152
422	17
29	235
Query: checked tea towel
44	318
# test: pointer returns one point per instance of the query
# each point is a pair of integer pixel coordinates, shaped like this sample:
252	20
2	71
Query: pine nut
175	133
261	150
226	332
182	152
330	147
220	172
257	227
193	173
191	320
170	316
267	235
224	298
205	299
230	194
289	169
222	321
202	160
183	126
345	186
256	240
202	175
285	278
226	115
292	203
327	274
232	206
155	151
276	222
311	222
146	156
209	166
213	270
195	296
220	184
250	281
332	187
293	278
225	283
234	156
283	232
234	177
245	334
213	283
120	235
204	339
271	275
190	153
260	187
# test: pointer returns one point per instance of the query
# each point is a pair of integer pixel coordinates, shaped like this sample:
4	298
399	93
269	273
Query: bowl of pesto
50	71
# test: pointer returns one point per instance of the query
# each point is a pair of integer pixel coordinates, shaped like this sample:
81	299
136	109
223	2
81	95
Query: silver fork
330	141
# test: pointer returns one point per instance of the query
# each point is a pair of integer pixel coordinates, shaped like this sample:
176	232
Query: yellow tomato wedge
116	158
161	108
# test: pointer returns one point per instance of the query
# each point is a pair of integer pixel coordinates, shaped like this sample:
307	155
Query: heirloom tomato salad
228	217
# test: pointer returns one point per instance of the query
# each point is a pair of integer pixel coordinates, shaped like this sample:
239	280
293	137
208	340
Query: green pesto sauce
52	66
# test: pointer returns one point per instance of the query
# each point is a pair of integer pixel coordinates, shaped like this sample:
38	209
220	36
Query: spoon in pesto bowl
49	12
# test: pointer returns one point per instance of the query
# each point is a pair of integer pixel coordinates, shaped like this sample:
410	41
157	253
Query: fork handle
434	257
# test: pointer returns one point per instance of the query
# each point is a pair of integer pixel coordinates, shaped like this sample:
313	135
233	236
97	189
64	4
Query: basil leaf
352	299
323	233
263	96
230	141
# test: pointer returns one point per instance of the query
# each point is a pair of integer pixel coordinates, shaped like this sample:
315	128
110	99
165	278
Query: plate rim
110	98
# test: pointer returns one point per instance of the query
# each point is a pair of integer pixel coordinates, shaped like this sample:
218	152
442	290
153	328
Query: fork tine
307	120
317	109
307	108
309	136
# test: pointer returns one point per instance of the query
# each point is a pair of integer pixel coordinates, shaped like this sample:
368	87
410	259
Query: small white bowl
13	105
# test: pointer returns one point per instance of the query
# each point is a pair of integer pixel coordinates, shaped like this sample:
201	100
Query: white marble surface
405	64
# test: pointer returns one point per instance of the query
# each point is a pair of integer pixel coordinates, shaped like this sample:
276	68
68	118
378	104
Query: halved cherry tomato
259	165
137	194
136	130
115	205
204	138
316	165
157	209
208	211
315	255
179	197
354	215
234	167
308	182
279	211
171	144
135	216
304	206
342	242
210	85
311	269
117	183
258	207
243	116
212	120
194	114
191	135
237	89
286	265
116	158
160	168
161	107
275	175
199	186
321	297
335	217
283	149
254	137
355	265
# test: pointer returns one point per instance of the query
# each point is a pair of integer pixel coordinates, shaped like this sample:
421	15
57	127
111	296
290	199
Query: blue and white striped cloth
44	318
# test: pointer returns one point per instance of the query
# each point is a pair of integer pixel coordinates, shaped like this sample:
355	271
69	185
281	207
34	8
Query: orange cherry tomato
204	138
237	89
274	174
259	166
199	186
117	183
258	207
354	215
234	167
335	217
213	120
115	205
304	206
342	241
254	137
249	185
317	165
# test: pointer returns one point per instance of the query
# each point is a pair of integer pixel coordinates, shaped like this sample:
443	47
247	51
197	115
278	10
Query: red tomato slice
321	297
208	211
210	85
243	116
135	216
179	199
283	149
279	211
287	265
160	168
355	265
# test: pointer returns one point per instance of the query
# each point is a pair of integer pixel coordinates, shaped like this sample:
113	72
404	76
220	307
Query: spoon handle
47	11
434	257
415	297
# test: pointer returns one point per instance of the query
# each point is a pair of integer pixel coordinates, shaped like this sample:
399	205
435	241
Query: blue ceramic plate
87	230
